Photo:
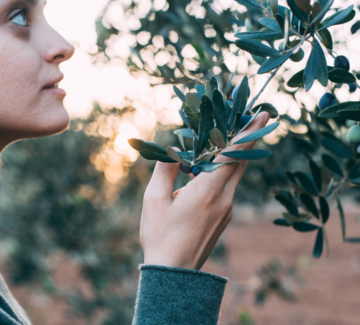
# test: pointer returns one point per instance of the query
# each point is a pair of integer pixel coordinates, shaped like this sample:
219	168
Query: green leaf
309	204
184	118
337	147
350	114
306	182
258	59
213	84
151	155
323	11
319	244
220	112
332	165
264	36
353	240
207	88
310	70
191	117
181	138
281	222
337	17
265	107
273	63
300	14
322	71
174	155
297	80
342	219
259	133
217	138
274	6
207	166
332	111
186	133
256	48
179	93
324	208
327	38
339	75
355	171
270	23
200	89
289	218
193	102
206	121
140	145
289	204
240	101
250	4
150	151
280	19
304	227
247	154
316	174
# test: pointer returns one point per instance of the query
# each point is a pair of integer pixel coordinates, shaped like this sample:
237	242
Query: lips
52	87
54	83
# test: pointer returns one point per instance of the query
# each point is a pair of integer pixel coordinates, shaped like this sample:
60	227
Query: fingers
161	184
240	169
222	174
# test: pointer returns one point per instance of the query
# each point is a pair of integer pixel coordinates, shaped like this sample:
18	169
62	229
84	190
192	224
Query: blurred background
70	204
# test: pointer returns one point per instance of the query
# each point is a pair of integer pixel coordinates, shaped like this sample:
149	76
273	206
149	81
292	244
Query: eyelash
24	12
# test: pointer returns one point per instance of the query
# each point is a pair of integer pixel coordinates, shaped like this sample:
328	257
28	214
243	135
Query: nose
58	49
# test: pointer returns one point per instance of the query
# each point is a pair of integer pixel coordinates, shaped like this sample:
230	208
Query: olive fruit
342	62
298	56
327	100
234	93
352	87
353	135
244	120
186	169
196	171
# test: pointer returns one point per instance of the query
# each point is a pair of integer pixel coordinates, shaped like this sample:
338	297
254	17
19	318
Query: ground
328	295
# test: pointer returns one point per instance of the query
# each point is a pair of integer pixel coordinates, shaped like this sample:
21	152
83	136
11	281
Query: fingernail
266	118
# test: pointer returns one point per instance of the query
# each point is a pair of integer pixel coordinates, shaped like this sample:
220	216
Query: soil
328	295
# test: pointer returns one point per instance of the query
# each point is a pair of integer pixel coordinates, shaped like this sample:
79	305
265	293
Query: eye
20	18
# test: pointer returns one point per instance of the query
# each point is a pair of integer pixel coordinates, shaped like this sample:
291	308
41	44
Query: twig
261	90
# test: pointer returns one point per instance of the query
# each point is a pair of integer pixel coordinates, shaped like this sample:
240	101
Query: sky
84	82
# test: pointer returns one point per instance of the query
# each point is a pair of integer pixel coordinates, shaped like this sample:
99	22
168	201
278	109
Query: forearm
178	296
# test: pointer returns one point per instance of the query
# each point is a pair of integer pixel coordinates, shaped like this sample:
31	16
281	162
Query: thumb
162	181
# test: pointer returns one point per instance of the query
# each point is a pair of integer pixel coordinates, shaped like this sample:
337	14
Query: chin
55	123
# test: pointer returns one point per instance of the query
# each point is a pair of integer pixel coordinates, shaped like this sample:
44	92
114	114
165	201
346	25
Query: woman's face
31	104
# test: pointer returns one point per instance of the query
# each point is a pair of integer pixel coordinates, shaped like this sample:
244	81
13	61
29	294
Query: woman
178	230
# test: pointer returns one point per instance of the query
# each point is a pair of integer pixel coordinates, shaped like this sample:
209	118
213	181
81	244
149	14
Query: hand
181	229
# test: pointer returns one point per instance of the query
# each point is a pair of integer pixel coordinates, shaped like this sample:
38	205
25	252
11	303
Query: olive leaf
319	244
217	138
266	107
332	111
332	165
193	102
247	154
258	134
309	204
256	47
324	209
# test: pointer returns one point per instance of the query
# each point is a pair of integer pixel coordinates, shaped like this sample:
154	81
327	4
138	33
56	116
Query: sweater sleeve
176	296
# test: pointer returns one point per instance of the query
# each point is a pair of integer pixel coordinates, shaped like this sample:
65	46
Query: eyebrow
33	2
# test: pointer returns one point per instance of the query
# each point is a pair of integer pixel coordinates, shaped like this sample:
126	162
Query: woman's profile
176	237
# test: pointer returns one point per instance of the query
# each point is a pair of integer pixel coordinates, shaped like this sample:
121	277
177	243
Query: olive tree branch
251	104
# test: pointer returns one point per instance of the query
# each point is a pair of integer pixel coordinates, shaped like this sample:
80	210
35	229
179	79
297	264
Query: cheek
26	110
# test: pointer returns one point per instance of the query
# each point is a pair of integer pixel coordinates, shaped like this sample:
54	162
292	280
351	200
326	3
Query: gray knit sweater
166	295
175	296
